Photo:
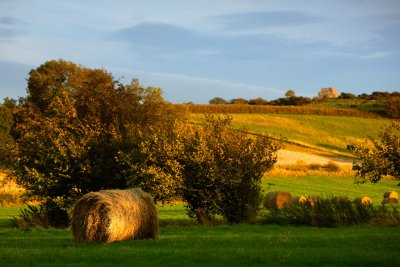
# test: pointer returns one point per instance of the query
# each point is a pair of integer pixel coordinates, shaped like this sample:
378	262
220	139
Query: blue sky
197	50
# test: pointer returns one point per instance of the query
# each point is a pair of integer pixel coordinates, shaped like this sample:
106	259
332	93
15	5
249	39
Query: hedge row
229	108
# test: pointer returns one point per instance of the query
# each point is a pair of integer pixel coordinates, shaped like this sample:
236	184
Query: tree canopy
379	158
74	123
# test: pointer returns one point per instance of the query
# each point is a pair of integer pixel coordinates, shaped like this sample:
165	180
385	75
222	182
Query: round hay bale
391	194
277	199
299	199
114	215
313	199
363	200
340	199
391	201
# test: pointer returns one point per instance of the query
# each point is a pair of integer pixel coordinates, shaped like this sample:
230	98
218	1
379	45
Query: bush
329	212
222	171
269	109
291	101
217	101
48	214
347	96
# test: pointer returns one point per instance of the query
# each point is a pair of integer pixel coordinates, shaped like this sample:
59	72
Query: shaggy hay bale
277	199
391	194
299	199
339	199
313	199
387	200
114	215
363	200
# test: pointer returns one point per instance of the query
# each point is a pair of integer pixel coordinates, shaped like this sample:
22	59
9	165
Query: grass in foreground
183	243
238	245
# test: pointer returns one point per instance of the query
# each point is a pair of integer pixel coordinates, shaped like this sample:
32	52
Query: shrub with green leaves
222	169
329	212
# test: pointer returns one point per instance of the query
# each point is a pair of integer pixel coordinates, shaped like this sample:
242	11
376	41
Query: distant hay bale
277	199
313	199
363	200
340	199
387	200
114	215
391	194
299	199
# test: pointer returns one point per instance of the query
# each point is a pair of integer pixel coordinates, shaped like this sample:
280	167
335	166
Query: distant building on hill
329	92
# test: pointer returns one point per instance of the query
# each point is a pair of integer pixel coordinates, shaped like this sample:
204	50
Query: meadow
184	243
323	134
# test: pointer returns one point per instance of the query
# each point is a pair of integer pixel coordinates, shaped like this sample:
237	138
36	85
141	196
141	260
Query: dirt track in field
288	157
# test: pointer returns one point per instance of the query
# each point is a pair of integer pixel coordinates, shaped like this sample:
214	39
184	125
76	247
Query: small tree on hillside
217	101
328	93
258	101
239	101
379	158
290	93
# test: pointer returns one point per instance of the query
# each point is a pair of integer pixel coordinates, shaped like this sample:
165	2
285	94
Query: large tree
74	124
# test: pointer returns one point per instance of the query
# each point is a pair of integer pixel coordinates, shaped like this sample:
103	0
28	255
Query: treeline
287	101
292	100
228	108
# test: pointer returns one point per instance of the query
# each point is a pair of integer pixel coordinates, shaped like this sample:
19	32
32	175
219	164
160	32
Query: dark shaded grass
239	245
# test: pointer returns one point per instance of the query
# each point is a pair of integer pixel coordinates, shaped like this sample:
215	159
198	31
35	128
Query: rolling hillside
309	137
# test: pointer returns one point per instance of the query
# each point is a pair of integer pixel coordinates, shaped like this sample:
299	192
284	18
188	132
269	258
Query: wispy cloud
5	20
257	20
10	27
183	88
376	55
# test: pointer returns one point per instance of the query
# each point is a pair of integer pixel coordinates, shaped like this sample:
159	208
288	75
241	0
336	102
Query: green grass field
183	243
325	133
332	185
223	245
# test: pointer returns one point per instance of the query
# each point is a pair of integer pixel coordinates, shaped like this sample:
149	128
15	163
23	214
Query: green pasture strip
328	186
360	104
324	132
237	245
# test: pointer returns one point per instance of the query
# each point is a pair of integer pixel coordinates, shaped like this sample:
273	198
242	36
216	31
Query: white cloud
182	88
376	55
